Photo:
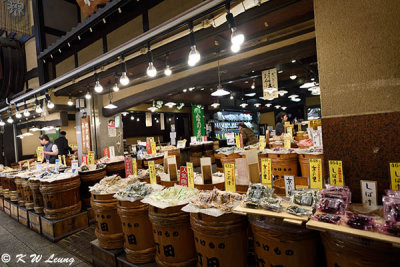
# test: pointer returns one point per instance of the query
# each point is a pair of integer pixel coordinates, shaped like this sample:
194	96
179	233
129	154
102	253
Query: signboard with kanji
336	173
128	166
134	166
395	175
189	168
106	152
84	160
39	153
316	179
289	184
262	142
229	171
91	157
183	176
152	172
368	192
266	171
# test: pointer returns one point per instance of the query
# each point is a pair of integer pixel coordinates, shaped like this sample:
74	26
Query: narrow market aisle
17	240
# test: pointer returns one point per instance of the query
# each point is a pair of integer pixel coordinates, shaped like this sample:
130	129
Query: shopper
248	136
281	118
50	150
62	144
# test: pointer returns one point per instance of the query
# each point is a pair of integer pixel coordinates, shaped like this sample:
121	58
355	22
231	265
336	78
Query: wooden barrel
177	154
195	161
12	187
196	154
169	183
157	160
283	164
220	159
173	237
215	145
220	186
305	165
28	197
89	178
139	244
346	250
20	191
117	168
196	148
220	241
108	227
279	244
279	185
208	145
38	203
61	198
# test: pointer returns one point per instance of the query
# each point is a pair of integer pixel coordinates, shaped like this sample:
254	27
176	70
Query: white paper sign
74	166
270	83
193	140
289	184
149	122
230	138
181	144
112	151
172	135
368	193
162	121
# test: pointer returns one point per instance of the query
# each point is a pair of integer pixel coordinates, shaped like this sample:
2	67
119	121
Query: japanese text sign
395	175
183	176
229	171
152	172
189	167
368	192
336	172
316	179
128	166
266	171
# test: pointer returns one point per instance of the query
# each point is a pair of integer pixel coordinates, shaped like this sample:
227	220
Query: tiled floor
17	239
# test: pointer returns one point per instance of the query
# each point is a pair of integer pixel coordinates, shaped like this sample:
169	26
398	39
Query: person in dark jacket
248	136
50	150
281	118
62	144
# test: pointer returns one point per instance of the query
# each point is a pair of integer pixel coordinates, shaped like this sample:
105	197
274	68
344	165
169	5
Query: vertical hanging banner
14	16
152	172
395	175
149	121
134	166
183	176
266	171
229	171
316	179
189	168
336	173
199	128
85	133
128	166
270	83
162	121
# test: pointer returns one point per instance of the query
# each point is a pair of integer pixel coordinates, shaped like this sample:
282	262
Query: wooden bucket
61	198
195	161
173	237
139	244
20	191
220	186
108	227
283	164
215	145
169	183
279	244
177	154
196	148
12	187
27	193
38	203
89	178
196	154
346	250
117	168
305	165
220	241
208	145
279	185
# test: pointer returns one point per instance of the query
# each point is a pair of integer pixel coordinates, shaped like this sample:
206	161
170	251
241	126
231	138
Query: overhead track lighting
237	38
26	111
151	70
98	88
194	55
124	80
38	108
10	119
268	105
50	104
17	113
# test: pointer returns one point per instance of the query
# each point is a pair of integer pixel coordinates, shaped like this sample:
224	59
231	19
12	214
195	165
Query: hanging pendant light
194	55
110	104
124	79
70	103
253	85
153	108
98	88
17	113
220	91
167	70
115	87
237	38
10	119
88	95
151	70
26	111
38	108
2	123
50	104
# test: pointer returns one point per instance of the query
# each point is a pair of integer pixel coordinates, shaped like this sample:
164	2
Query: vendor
281	118
248	136
50	150
62	144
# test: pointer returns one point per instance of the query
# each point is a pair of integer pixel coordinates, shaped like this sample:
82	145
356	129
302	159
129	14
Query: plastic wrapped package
359	221
328	218
255	193
388	228
271	204
345	190
391	208
304	197
332	205
298	211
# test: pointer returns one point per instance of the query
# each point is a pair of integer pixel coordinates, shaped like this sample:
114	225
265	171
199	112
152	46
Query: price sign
153	148
128	166
84	160
316	180
134	166
74	166
64	160
241	141
266	171
91	157
336	172
106	152
262	142
289	184
151	139
39	153
183	176
286	141
152	172
193	140
148	147
229	171
181	144
395	175
189	167
237	139
289	132
112	151
368	192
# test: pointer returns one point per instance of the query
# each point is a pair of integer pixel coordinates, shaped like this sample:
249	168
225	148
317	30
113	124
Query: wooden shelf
322	226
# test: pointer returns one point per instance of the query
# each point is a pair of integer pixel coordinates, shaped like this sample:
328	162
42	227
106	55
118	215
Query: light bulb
27	113
231	97
167	71
50	104
137	119
38	109
10	120
70	103
18	115
253	85
151	70
293	77
235	48
98	88
124	80
237	38
88	96
194	56
132	118
2	123
115	87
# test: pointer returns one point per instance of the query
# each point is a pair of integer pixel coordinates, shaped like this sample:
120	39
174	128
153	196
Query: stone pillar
359	72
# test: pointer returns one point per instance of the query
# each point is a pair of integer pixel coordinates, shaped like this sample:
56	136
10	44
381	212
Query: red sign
205	138
148	147
84	160
241	140
128	166
106	152
183	177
